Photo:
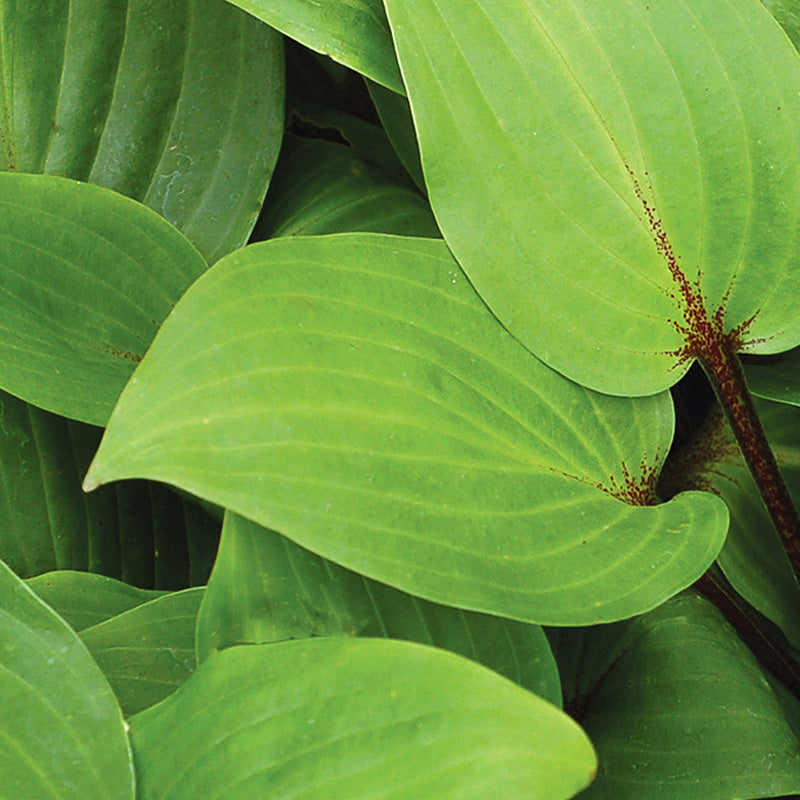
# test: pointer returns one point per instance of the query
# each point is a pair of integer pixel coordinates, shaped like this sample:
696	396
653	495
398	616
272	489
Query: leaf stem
724	370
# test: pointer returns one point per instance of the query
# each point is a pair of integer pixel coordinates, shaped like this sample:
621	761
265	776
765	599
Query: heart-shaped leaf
146	653
83	599
353	33
353	393
678	708
619	180
62	729
178	105
265	588
87	277
355	718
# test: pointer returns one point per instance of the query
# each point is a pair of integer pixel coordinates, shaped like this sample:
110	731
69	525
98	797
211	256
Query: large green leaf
83	599
353	32
678	708
364	718
149	651
265	588
776	377
139	532
179	105
620	180
753	558
353	393
323	187
87	278
62	734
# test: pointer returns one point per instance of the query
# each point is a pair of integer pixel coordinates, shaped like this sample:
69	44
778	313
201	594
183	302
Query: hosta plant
399	400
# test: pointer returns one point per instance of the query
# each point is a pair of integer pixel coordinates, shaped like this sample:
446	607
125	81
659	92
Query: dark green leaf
364	718
678	708
322	187
178	105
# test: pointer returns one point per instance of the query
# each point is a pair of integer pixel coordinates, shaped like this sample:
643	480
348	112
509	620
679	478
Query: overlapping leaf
620	180
678	708
353	393
365	718
322	187
752	559
149	651
87	277
179	105
61	730
352	32
139	532
265	588
83	599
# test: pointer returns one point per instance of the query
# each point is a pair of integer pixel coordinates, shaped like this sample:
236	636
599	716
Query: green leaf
353	393
265	588
83	599
141	98
147	652
776	377
619	180
365	718
139	532
395	115
753	559
352	32
62	733
322	187
678	708
88	277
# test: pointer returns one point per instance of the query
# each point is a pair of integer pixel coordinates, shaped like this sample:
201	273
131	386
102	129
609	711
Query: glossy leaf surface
83	599
777	378
321	187
147	652
385	420
352	32
142	98
87	277
678	708
265	588
620	180
366	718
62	730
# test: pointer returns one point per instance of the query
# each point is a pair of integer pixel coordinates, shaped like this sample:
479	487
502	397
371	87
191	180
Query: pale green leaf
619	180
353	393
62	734
353	32
364	718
